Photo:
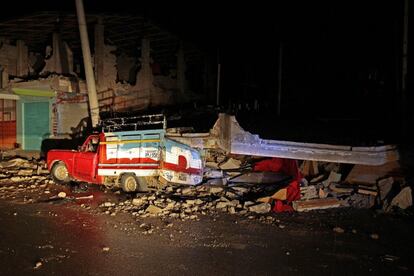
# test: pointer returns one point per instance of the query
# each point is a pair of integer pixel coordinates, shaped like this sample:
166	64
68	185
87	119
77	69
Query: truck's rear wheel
132	183
60	173
129	183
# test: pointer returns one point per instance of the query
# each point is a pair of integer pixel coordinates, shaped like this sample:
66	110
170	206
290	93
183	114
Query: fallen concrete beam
232	138
316	204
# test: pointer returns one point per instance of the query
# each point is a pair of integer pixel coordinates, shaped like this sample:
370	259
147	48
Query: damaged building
43	89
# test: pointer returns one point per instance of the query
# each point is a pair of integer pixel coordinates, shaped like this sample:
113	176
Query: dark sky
340	51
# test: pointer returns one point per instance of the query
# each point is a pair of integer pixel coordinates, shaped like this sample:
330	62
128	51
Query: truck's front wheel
60	173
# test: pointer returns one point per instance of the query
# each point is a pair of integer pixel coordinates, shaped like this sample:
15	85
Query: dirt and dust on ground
223	226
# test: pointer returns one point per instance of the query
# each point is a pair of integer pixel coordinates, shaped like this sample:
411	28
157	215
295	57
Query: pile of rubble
23	170
246	185
328	185
189	202
23	175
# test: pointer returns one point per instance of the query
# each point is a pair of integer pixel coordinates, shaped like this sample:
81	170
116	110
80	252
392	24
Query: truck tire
60	173
129	183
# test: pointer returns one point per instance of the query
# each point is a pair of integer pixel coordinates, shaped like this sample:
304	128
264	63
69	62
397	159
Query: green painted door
35	124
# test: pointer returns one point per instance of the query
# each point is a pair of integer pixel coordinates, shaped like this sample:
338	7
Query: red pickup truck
132	160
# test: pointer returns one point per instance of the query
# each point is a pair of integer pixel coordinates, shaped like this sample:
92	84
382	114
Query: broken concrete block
138	201
16	162
212	165
215	190
315	204
217	181
310	168
259	177
308	192
317	179
213	174
333	178
240	190
152	209
222	205
365	190
384	187
341	188
403	200
25	172
361	201
369	175
260	208
230	164
187	191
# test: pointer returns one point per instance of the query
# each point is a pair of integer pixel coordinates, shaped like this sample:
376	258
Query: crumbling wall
58	57
126	66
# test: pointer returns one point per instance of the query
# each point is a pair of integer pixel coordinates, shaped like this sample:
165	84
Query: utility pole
86	52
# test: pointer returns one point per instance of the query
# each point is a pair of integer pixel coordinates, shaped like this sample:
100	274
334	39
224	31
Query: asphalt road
65	238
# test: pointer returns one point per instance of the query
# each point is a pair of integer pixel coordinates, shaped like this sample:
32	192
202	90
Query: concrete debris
215	190
341	188
309	168
315	204
38	264
259	177
333	178
213	174
384	187
367	190
309	192
245	193
403	200
369	175
360	201
374	236
338	230
230	164
262	208
152	209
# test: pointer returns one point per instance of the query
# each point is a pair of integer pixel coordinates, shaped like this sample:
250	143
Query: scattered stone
62	195
215	190
152	209
384	187
138	201
38	264
374	236
403	200
25	172
213	174
314	204
338	229
105	249
260	208
230	164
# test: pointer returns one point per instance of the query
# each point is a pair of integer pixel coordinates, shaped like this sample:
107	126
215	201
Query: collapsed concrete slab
234	139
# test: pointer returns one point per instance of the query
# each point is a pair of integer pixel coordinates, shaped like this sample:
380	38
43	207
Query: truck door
85	161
